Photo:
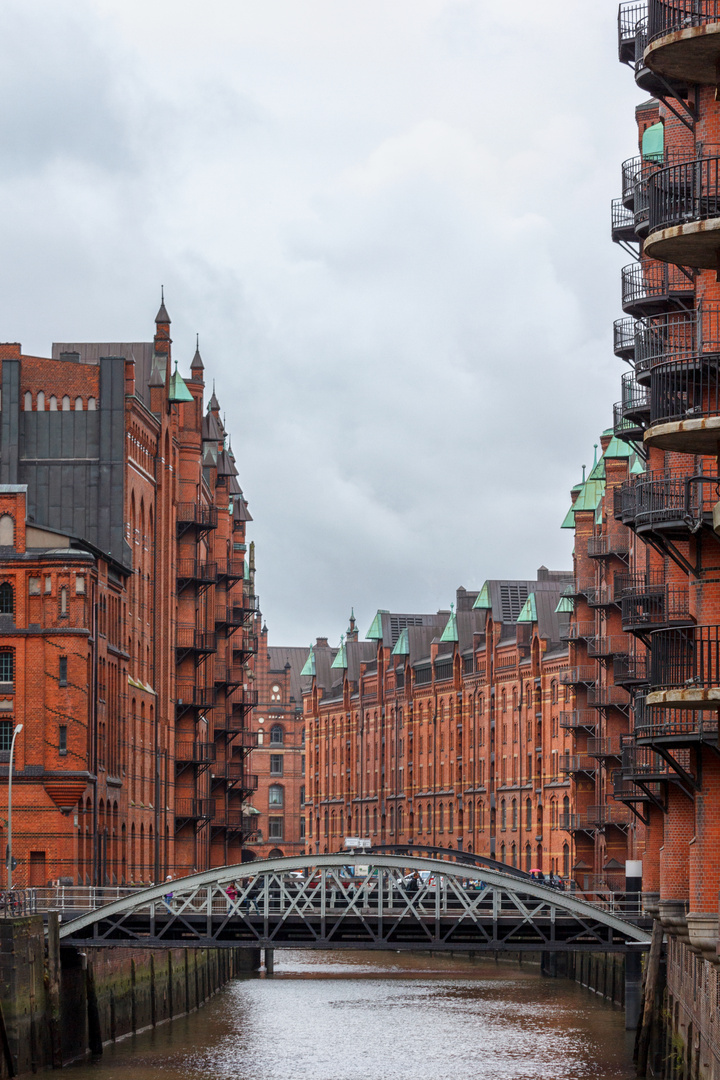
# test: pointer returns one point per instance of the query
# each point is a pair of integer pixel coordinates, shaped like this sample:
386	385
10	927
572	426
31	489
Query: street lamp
16	732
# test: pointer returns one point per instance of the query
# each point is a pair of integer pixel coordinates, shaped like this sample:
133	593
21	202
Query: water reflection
381	1016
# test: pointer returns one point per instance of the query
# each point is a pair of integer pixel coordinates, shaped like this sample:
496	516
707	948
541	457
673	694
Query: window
7	531
7	599
302	795
63	670
276	795
78	404
63	600
28	401
65	403
7	667
302	764
276	764
92	404
528	815
62	739
302	828
6	734
503	816
53	403
34	586
79	585
275	828
276	735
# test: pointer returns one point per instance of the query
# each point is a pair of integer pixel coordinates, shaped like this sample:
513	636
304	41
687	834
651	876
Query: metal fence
669	16
686	657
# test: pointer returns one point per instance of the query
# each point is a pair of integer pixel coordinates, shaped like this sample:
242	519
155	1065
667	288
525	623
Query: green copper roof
568	521
618	449
402	646
565	604
340	660
309	666
598	514
483	599
529	610
637	467
590	495
450	632
178	389
375	631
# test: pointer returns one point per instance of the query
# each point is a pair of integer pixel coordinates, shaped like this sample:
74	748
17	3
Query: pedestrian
232	895
168	896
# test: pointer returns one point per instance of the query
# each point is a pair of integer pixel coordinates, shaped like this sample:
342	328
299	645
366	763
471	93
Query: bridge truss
311	902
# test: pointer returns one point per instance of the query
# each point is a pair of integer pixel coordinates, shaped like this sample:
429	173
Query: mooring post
269	962
633	958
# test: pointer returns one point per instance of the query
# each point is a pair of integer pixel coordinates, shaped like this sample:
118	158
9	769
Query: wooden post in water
651	982
53	989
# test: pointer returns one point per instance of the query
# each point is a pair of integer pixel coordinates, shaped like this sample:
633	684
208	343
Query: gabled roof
308	668
387	625
529	611
340	661
450	633
178	390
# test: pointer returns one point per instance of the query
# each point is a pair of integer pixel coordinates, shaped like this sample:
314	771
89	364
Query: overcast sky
389	222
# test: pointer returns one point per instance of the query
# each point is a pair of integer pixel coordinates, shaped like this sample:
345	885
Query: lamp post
16	732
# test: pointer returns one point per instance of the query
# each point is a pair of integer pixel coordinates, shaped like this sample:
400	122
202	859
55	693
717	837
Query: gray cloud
389	222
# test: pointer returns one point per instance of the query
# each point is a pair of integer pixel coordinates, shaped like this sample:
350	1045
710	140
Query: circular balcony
684	40
661	726
684	213
650	287
632	413
679	355
630	170
685	668
664	502
649	603
624	339
630	13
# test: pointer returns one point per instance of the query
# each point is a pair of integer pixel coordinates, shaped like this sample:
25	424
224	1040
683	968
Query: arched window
63	600
65	403
539	818
375	821
502	853
91	404
276	796
554	691
528	858
276	735
428	824
480	816
28	401
367	821
450	817
78	404
7	531
53	403
41	401
420	821
566	861
528	814
441	817
7	599
514	815
400	818
514	854
7	666
503	815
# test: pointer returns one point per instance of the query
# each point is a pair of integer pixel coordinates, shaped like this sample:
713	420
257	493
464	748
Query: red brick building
444	730
125	615
278	760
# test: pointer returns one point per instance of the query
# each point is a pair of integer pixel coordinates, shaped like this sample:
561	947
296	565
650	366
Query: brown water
382	1016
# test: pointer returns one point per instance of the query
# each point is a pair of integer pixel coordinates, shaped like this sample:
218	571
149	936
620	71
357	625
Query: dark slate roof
141	352
507	597
358	652
392	623
162	315
240	510
468	624
211	428
549	621
224	466
197	362
280	656
420	637
324	657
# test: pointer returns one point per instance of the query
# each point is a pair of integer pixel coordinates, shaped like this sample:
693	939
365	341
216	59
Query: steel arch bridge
312	902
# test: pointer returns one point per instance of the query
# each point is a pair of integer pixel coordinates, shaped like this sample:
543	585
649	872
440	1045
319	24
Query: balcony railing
579	718
610	746
582	629
645	764
190	696
624	338
683	193
231	568
608	645
604	697
609	814
622	222
245	644
601	547
190	639
197	570
649	286
685	658
576	676
601	596
629	15
660	725
194	809
195	753
631	669
663	500
670	16
684	391
198	515
648	601
576	763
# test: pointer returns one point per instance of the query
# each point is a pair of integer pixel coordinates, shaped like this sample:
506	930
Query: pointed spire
583	479
162	315
213	403
197	364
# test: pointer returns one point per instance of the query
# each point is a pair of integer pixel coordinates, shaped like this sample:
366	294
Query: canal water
382	1016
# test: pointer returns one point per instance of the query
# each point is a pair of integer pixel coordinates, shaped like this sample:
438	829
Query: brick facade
126	618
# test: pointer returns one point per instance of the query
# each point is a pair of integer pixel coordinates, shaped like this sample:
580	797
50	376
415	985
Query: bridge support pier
269	961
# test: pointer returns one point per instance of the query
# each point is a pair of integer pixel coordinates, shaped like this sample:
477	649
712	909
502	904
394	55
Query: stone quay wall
60	1004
